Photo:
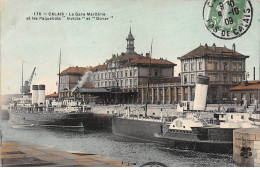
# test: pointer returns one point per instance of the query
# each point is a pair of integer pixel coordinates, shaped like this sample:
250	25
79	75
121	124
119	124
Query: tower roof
130	35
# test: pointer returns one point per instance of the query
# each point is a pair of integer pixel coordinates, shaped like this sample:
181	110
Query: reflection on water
109	145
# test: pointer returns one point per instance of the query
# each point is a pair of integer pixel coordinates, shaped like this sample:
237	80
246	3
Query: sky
176	28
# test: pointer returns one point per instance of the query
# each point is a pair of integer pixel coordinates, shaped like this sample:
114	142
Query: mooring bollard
246	147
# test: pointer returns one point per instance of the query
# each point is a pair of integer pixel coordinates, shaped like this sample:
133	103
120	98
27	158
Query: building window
185	79
121	82
252	98
200	65
135	72
126	82
192	66
231	116
122	75
239	78
135	82
98	84
130	81
110	74
234	97
234	66
98	76
234	78
242	117
117	74
155	72
243	96
215	66
185	67
131	73
105	83
225	65
225	78
192	78
239	66
126	73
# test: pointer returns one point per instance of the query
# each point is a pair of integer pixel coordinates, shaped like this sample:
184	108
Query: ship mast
22	79
59	77
148	82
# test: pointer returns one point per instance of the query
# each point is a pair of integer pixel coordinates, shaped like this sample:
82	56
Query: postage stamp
228	19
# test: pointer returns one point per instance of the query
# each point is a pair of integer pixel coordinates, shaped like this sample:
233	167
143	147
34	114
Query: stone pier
246	147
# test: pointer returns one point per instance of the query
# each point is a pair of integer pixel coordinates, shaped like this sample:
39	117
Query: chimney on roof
113	55
234	47
147	55
214	47
122	54
254	73
206	45
224	46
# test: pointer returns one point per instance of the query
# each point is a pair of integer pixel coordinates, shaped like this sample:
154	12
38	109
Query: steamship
34	111
185	132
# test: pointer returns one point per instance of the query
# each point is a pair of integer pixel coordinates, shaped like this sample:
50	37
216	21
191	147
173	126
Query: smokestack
254	73
34	94
41	94
201	93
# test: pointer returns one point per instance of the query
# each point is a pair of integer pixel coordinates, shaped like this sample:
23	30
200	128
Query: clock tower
130	43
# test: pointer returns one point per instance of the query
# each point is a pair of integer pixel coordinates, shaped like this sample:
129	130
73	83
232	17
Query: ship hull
4	115
157	132
98	122
48	120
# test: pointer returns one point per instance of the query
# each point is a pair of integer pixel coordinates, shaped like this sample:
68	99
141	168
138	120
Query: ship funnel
201	93
41	94
34	94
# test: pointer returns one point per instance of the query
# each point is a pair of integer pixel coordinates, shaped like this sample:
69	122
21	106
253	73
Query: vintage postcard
130	83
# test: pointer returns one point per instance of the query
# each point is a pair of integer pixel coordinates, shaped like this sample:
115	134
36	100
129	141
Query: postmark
228	19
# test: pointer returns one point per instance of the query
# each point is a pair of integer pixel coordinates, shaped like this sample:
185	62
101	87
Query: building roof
53	95
75	70
137	59
166	80
206	50
99	67
146	61
250	85
92	90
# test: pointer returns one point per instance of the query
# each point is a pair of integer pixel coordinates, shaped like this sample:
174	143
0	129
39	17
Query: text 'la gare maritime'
69	15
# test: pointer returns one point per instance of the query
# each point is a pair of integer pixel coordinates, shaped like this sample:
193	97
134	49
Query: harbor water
106	144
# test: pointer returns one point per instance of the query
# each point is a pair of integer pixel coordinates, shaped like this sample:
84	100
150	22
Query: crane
30	80
26	87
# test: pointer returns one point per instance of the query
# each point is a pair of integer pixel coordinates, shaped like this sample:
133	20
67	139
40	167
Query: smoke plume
86	78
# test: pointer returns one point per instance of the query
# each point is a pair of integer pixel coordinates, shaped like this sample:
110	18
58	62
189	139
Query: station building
136	78
248	90
127	75
224	67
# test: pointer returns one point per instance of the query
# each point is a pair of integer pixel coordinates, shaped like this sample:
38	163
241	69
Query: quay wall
246	147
